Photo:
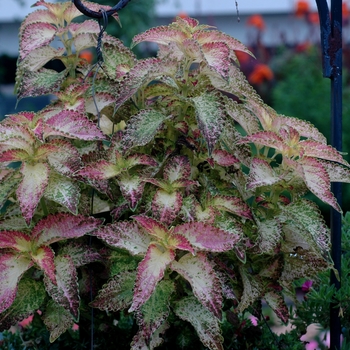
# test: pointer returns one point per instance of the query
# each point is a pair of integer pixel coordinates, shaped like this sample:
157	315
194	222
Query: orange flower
256	21
313	18
345	10
86	55
261	73
302	8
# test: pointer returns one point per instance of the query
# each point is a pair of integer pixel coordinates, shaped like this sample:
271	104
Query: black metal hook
99	14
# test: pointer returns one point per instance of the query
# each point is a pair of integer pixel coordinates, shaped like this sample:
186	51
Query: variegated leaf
166	206
305	220
30	296
12	267
206	237
31	189
336	172
270	234
38	16
44	257
100	100
206	325
152	226
252	291
155	310
131	188
142	128
80	254
72	124
217	55
209	114
65	293
34	36
57	320
84	41
224	158
64	191
234	205
61	226
100	170
126	235
205	284
177	168
266	138
139	342
38	83
276	302
117	293
88	26
9	181
261	174
15	240
149	272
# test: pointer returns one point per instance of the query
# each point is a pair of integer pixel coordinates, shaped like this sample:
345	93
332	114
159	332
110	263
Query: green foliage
204	194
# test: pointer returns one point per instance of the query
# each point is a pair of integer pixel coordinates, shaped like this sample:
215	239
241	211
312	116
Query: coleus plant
205	184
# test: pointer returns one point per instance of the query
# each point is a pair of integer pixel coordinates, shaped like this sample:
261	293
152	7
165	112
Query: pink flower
306	286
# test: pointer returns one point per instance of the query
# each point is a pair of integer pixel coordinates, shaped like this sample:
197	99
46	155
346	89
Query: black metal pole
331	42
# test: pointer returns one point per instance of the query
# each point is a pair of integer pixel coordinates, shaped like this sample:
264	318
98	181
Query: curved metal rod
98	14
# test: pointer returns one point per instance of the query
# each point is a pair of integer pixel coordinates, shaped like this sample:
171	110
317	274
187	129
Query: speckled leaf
61	226
88	26
152	226
13	136
98	101
9	180
38	83
251	292
177	168
317	150
72	124
125	234
15	240
142	128
131	188
139	342
31	189
206	237
37	58
217	55
234	205
305	218
155	310
63	191
277	304
266	138
84	41
30	296
35	35
224	158
270	234
205	284
79	253
261	174
44	257
166	206
206	325
42	16
209	114
117	293
149	272
57	320
12	267
65	293
65	159
336	172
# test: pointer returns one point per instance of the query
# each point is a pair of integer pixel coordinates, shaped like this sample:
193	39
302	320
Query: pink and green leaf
9	181
149	272
206	237
224	158
12	267
217	55
63	191
198	271
204	322
126	235
117	293
57	320
44	257
166	206
152	226
72	124
131	188
234	205
65	291
209	115
15	240
270	235
61	226
142	128
177	168
30	296
276	302
80	254
34	182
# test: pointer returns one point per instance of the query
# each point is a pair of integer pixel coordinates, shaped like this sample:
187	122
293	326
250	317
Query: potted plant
201	186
